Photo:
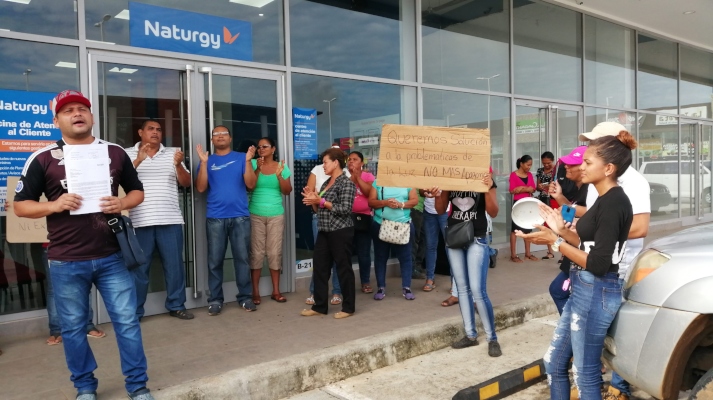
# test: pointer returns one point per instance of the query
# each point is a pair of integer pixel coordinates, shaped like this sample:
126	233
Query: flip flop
515	259
548	256
533	258
54	340
336	299
429	287
277	297
449	301
96	334
257	301
366	288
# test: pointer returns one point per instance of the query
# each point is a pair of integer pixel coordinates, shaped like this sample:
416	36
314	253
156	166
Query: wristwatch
557	243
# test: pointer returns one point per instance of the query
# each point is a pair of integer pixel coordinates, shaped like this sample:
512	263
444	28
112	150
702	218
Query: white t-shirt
637	189
318	172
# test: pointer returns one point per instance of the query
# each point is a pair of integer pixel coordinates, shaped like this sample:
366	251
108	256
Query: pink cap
69	96
574	157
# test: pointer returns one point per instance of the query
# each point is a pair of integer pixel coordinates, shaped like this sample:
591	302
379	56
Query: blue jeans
73	281
219	231
168	239
469	267
616	380
558	295
336	289
362	248
580	333
433	223
381	255
55	328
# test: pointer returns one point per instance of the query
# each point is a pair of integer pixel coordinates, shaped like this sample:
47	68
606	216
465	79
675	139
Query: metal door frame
195	116
698	125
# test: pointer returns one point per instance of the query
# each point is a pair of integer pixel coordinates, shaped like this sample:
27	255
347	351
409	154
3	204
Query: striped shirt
158	174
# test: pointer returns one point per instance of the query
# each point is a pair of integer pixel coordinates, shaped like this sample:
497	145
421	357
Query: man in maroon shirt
83	250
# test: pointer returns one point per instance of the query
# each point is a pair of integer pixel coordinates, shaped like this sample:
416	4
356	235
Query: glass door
695	169
249	104
188	99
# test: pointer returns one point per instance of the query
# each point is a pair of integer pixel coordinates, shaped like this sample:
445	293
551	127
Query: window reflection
455	37
658	75
610	62
357	37
108	21
659	163
548	50
463	110
357	114
56	18
696	83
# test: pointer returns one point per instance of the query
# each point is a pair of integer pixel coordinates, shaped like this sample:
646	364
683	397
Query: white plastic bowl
526	213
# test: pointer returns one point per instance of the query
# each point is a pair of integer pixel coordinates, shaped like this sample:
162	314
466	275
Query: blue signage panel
169	29
25	127
305	131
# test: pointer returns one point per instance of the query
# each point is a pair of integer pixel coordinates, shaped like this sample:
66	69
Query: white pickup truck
666	173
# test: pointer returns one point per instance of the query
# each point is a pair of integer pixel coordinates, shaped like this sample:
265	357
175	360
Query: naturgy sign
168	29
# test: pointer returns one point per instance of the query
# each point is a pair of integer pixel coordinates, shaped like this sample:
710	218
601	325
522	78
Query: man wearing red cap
83	250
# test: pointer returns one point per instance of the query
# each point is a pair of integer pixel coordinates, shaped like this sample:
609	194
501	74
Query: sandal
310	300
336	300
277	297
429	286
533	258
449	301
548	256
96	334
54	340
515	259
256	300
366	288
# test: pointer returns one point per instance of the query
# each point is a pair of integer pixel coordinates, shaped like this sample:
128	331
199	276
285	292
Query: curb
505	384
296	374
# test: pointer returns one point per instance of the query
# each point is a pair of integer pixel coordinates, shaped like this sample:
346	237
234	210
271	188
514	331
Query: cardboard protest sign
426	156
23	230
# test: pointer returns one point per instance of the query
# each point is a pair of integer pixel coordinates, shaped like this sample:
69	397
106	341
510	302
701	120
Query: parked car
660	196
662	337
665	172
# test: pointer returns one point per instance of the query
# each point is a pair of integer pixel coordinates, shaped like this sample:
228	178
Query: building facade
536	73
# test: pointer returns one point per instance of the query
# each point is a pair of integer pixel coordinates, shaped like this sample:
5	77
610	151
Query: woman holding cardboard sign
469	258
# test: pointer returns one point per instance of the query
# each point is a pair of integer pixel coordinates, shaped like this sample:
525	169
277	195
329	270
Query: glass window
352	120
30	72
463	110
466	44
610	58
355	37
56	18
108	21
696	82
658	161
658	75
548	50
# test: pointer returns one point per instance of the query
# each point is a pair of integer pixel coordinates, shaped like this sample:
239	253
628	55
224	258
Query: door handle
189	105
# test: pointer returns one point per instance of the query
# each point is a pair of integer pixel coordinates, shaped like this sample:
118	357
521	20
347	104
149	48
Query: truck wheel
706	197
703	390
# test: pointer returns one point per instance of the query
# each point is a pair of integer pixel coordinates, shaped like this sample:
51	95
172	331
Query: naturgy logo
187	35
302	116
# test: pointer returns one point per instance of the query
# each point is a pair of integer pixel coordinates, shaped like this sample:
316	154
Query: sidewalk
184	355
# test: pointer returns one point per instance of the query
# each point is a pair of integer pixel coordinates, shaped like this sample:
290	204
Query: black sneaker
214	309
182	314
465	342
494	349
248	305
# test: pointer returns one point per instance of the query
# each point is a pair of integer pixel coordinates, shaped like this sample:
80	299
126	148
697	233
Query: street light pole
329	113
448	119
488	79
27	79
100	25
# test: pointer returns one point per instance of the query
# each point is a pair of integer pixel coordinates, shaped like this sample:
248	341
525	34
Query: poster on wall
304	126
25	127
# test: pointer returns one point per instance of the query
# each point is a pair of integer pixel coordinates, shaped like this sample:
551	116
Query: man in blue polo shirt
227	176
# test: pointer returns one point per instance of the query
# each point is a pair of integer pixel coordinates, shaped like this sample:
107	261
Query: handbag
128	242
460	235
392	231
362	222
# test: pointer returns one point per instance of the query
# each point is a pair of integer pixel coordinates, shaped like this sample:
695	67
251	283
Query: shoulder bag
460	235
128	242
362	222
391	231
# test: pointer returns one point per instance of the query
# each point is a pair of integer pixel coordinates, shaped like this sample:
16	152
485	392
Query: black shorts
515	227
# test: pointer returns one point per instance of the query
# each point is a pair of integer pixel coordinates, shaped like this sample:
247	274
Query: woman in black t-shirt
596	248
469	264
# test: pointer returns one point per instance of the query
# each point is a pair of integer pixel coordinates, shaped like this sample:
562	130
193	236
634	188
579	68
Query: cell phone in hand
568	213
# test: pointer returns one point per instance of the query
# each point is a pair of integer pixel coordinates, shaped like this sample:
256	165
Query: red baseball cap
69	96
575	157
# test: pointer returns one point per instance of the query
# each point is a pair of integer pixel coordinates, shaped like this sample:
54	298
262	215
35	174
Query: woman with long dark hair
522	185
333	204
595	248
267	216
361	213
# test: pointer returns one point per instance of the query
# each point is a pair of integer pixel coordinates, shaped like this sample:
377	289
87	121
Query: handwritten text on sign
426	156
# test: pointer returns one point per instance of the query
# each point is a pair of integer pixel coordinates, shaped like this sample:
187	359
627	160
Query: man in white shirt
637	189
158	220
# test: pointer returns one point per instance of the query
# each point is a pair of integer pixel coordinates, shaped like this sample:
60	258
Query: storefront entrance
188	99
